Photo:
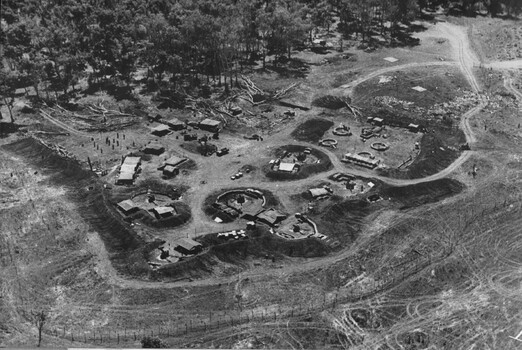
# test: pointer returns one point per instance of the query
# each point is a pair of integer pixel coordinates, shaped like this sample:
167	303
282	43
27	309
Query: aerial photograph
261	174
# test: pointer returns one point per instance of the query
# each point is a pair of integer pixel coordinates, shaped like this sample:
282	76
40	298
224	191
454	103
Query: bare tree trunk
9	105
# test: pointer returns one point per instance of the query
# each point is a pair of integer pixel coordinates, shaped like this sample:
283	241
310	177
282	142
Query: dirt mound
331	102
343	220
324	164
426	192
312	130
212	211
239	253
434	156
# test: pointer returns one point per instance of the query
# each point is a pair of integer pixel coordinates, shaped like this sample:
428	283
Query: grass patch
312	130
442	84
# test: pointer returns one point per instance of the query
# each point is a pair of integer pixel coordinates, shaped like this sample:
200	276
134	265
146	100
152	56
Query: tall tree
40	319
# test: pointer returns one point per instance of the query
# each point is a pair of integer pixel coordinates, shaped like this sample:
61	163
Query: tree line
51	45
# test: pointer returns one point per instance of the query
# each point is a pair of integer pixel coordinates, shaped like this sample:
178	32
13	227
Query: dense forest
50	45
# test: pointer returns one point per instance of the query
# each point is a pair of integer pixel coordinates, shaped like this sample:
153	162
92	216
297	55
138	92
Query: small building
170	171
378	121
319	193
175	124
126	178
210	125
163	212
271	217
160	130
136	161
188	246
414	127
128	168
174	161
288	167
154	148
236	110
127	206
360	160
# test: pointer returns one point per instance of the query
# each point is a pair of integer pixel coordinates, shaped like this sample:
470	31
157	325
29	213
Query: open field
421	251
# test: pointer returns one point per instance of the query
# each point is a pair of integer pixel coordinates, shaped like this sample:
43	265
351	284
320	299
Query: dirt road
348	88
508	84
514	64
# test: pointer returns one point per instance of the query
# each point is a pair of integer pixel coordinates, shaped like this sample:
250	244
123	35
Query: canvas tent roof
127	168
127	205
188	243
169	169
132	160
210	122
318	192
286	167
174	121
163	210
271	216
155	146
160	128
174	160
126	176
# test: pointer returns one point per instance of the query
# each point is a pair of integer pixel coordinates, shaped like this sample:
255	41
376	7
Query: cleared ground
434	264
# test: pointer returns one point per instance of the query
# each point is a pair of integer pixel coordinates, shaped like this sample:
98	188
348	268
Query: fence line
231	318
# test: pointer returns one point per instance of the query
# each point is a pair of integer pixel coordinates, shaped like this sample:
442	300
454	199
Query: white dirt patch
383	79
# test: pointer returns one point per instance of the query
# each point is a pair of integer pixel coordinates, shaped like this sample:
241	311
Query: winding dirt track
508	84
